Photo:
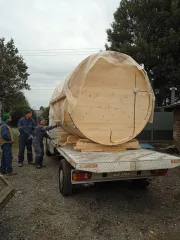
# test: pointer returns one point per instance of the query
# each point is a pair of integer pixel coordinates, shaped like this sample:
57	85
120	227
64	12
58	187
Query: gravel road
112	211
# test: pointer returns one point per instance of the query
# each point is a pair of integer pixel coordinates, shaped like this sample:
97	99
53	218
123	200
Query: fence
160	130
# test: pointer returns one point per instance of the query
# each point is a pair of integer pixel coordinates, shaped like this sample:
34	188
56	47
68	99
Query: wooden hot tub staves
107	99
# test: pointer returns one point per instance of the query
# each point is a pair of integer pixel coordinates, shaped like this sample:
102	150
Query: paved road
112	211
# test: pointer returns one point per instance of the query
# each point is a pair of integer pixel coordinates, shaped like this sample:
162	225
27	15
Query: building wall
176	133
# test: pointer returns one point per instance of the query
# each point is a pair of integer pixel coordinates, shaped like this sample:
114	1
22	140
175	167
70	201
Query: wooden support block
86	145
86	141
64	137
60	97
102	150
72	139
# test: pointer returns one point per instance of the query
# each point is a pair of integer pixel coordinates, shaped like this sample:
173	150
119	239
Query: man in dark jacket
6	140
25	127
39	134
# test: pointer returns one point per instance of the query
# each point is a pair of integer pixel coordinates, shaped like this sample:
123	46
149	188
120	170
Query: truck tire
141	183
65	185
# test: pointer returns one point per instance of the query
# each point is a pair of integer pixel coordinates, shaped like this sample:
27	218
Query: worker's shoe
11	173
3	172
20	164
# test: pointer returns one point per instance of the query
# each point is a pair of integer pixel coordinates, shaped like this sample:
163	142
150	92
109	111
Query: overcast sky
54	36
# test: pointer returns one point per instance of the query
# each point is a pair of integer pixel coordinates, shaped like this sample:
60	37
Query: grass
15	134
15	145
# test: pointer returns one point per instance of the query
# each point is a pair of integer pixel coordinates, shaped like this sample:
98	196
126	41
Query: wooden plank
135	142
86	145
85	140
102	150
72	139
64	137
60	97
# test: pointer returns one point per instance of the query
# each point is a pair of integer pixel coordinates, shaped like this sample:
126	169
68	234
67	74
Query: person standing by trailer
6	140
25	126
39	134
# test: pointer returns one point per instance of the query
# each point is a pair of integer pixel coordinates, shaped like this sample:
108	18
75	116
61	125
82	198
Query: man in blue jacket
6	140
39	134
25	127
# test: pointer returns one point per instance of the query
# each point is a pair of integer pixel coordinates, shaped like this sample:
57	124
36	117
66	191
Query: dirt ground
112	211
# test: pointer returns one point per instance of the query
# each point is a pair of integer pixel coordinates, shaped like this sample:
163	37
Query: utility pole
173	90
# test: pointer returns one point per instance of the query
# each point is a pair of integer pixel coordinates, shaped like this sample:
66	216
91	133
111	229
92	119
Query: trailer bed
129	160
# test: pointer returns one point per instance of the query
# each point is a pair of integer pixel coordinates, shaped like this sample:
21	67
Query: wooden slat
64	137
72	139
86	145
61	96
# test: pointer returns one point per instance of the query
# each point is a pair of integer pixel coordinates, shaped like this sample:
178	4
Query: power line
43	79
58	49
38	78
39	88
47	72
60	52
55	55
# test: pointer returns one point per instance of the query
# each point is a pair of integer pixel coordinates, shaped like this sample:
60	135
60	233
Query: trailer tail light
81	176
159	172
175	161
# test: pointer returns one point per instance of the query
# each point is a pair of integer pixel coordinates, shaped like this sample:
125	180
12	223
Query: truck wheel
65	185
141	183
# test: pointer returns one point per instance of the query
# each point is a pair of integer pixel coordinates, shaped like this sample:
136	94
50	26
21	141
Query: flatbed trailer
140	166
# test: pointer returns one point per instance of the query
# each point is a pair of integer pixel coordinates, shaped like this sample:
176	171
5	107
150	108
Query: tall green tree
15	100
13	69
18	112
45	114
149	31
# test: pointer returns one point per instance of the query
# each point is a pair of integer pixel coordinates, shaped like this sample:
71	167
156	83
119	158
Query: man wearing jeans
6	140
25	127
